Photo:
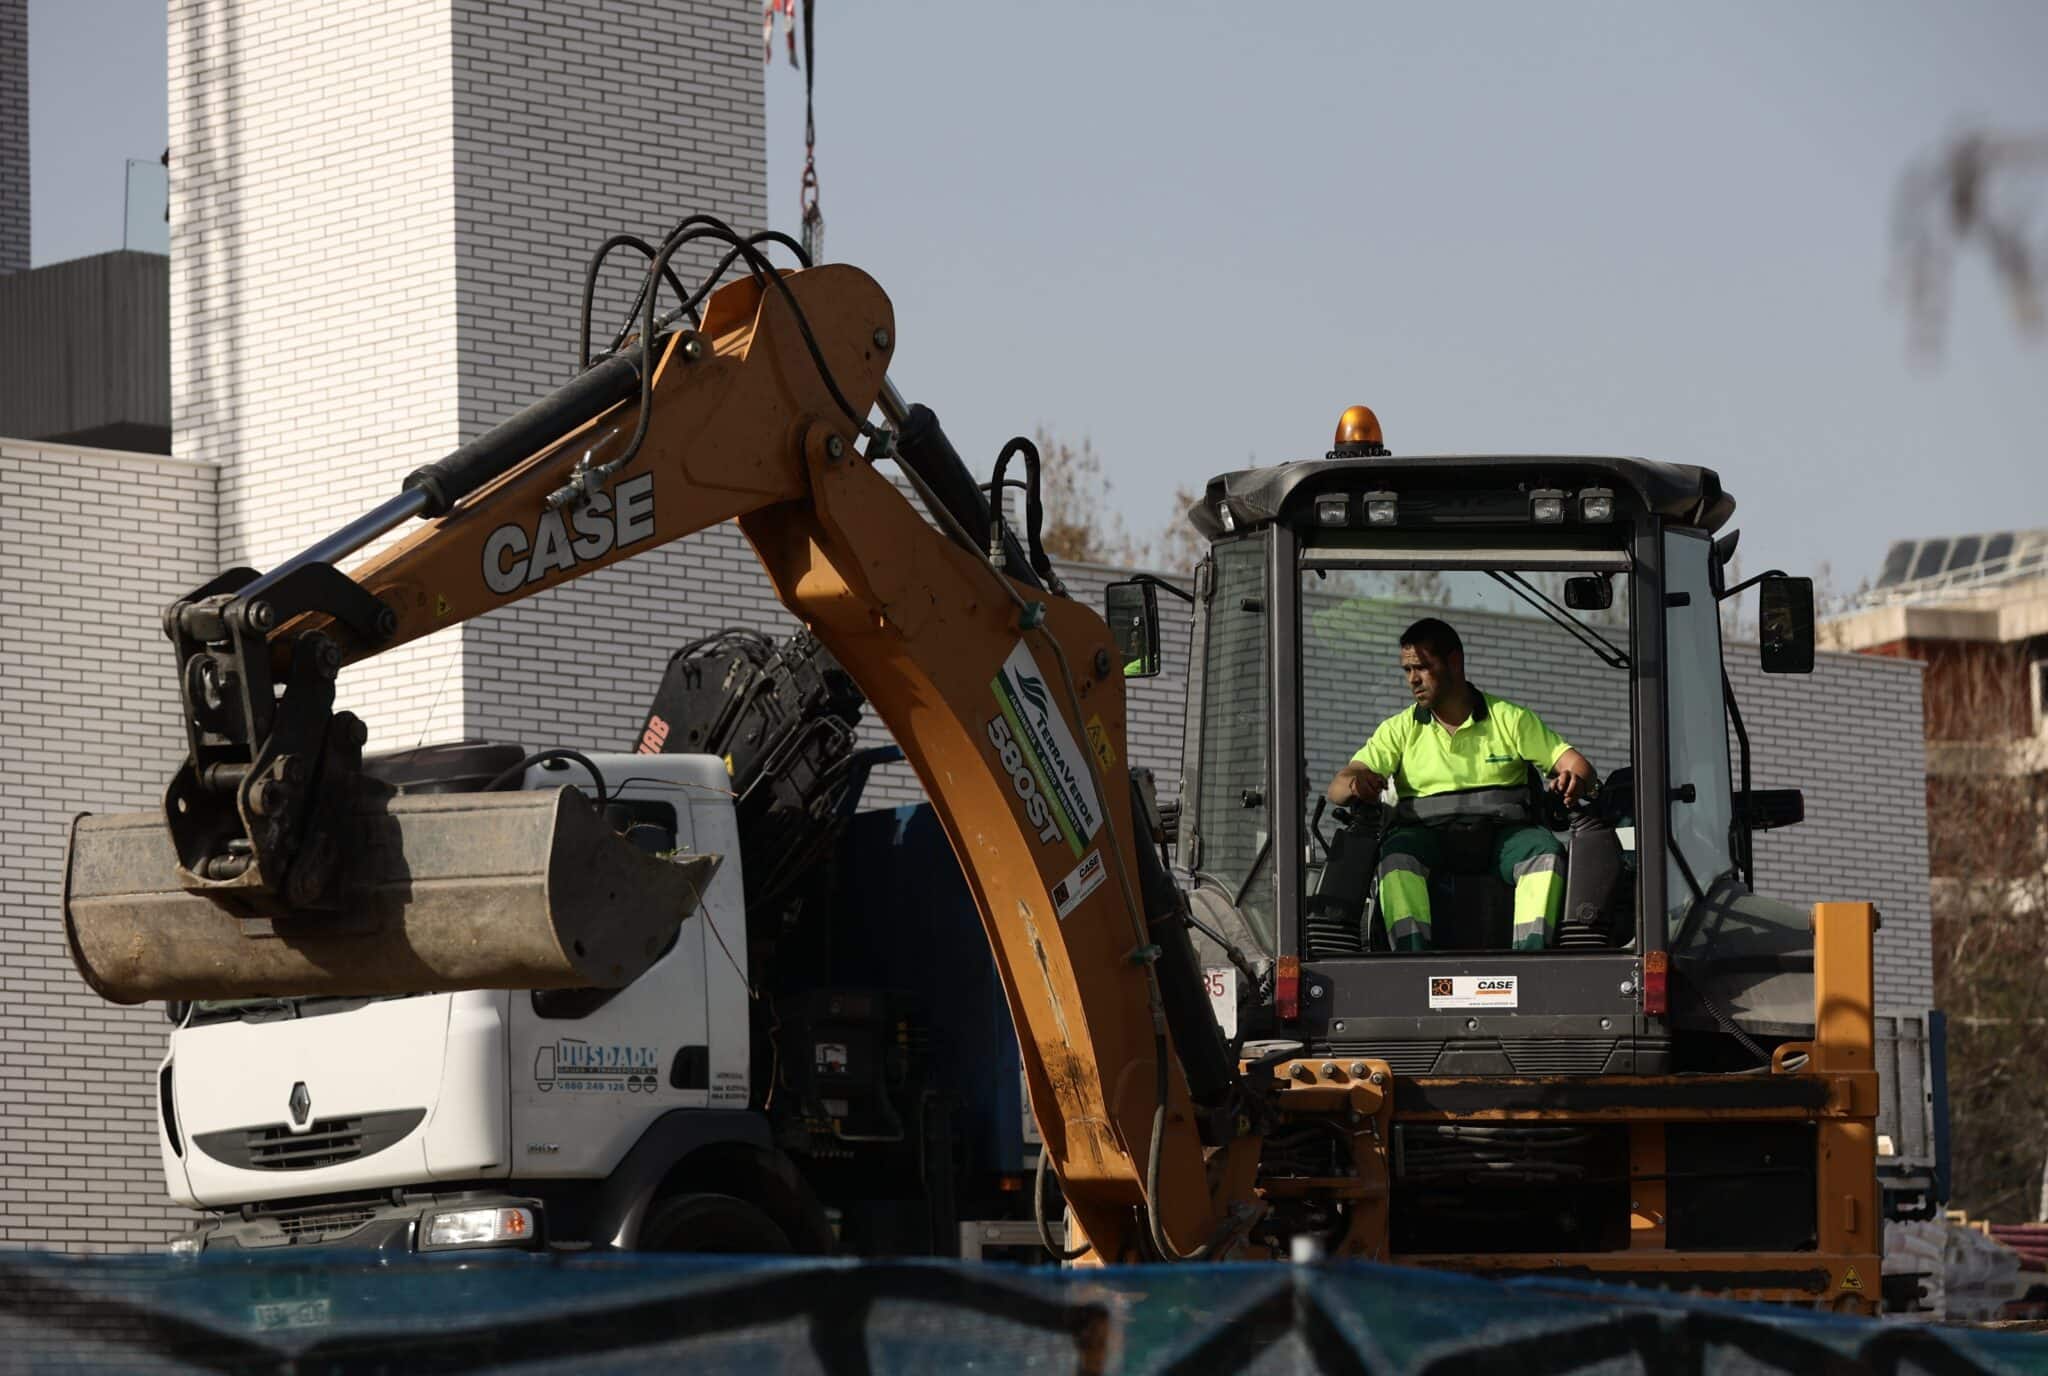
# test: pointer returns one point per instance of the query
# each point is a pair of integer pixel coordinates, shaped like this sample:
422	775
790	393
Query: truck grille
322	1225
329	1142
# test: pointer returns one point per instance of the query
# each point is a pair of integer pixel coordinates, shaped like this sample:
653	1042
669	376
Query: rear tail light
1657	983
1287	987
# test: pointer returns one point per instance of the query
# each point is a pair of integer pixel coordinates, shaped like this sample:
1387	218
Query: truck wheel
710	1223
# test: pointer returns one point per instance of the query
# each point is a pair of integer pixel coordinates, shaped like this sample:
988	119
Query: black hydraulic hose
1161	1243
597	260
922	448
689	300
1034	510
1038	1213
1204	1056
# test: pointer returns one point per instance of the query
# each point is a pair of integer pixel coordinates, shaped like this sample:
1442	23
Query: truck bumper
467	1220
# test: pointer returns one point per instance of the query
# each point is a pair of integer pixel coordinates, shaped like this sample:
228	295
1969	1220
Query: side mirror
1785	616
1132	610
1592	593
1767	809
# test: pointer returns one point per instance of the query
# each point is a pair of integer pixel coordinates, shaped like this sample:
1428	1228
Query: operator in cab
1461	756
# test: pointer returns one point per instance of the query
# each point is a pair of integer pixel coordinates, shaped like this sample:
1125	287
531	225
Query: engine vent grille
329	1142
1558	1055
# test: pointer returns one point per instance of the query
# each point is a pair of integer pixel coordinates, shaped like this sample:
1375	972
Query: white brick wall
14	224
574	122
92	545
314	340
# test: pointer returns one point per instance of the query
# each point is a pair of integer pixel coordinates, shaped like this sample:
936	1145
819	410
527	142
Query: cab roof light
1334	510
1381	508
1546	505
1596	504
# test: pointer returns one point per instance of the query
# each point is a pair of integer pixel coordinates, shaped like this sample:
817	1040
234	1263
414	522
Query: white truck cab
488	1117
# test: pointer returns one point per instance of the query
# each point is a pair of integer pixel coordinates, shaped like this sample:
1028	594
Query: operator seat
1471	909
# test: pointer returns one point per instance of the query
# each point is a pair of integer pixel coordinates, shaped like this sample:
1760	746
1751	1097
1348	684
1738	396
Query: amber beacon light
1358	434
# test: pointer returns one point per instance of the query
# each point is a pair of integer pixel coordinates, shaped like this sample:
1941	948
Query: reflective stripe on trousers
1527	857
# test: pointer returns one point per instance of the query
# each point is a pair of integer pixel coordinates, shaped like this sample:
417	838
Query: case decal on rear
1472	991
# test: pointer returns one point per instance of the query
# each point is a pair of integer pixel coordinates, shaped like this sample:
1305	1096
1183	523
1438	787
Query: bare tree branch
1978	192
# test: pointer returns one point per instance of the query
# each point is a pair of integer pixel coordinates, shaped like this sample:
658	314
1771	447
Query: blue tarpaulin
310	1313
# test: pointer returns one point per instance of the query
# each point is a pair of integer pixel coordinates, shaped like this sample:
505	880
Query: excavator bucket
525	890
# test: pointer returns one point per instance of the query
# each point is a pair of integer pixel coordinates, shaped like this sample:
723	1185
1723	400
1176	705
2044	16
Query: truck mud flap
526	890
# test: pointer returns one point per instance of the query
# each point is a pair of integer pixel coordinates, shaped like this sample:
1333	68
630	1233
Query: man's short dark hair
1435	636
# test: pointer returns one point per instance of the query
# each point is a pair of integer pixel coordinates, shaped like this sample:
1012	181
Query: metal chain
807	193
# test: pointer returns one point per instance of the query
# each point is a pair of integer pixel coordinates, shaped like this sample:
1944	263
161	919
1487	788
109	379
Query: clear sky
1195	232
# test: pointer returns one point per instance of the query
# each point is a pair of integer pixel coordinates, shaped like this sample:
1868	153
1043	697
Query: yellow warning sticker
1850	1280
1098	737
440	604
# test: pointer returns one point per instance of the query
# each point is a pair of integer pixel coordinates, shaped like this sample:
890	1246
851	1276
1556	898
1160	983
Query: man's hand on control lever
1572	777
1355	784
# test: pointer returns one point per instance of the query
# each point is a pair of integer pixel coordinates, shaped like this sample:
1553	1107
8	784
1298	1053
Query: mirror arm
1748	583
1182	593
1746	849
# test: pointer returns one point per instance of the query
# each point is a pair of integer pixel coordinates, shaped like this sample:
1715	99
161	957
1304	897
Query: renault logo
301	1103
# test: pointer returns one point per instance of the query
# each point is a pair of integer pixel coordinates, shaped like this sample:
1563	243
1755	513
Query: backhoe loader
1225	1057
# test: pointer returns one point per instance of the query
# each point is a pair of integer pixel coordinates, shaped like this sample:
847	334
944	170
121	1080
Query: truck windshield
1474	851
1232	822
277	1010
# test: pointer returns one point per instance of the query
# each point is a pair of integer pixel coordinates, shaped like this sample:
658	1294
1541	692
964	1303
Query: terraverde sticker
1057	766
1472	991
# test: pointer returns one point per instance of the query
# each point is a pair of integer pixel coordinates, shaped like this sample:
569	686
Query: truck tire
710	1223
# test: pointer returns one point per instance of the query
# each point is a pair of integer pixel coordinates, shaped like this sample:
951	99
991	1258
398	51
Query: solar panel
1958	565
1896	562
1931	555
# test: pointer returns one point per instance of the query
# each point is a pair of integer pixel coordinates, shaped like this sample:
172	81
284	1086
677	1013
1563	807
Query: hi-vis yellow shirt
1493	749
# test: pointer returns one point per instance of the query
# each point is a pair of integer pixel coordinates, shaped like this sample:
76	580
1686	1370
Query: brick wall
92	545
313	283
1849	735
574	122
14	224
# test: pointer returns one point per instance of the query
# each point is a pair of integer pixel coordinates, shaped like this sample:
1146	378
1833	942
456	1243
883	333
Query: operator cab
1584	590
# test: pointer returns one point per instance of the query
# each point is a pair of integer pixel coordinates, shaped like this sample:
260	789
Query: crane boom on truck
1007	699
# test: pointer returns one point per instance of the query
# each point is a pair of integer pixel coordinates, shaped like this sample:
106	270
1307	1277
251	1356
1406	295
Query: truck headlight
1380	508
1546	505
1596	504
186	1246
479	1227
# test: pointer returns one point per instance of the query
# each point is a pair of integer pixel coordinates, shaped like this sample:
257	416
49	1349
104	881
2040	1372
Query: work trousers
1529	858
